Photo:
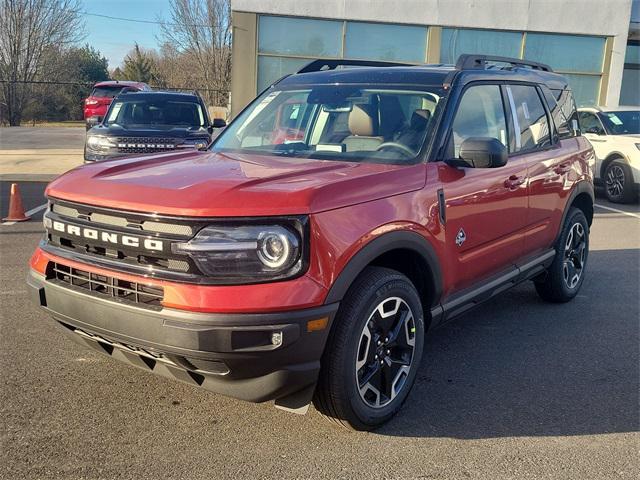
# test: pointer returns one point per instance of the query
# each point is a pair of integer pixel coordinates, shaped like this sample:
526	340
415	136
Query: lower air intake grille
121	290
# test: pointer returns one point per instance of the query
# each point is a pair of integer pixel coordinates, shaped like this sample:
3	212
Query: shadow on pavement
518	366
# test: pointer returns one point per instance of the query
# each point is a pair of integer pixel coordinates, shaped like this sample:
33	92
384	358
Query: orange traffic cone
16	210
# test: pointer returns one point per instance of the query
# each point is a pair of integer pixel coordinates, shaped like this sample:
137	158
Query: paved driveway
515	389
40	150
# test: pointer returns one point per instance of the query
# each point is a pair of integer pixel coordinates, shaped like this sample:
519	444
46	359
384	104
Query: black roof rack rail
472	62
320	65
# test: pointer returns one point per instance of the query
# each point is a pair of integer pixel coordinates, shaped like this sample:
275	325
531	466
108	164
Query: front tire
618	182
373	352
564	277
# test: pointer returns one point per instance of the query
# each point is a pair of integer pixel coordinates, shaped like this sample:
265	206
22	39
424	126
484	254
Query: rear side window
564	113
531	125
480	114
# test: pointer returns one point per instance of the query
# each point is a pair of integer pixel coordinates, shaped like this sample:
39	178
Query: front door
485	207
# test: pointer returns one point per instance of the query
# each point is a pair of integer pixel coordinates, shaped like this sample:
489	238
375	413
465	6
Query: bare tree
202	29
28	30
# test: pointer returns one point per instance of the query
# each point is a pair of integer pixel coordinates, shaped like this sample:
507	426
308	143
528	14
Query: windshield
625	122
335	122
156	112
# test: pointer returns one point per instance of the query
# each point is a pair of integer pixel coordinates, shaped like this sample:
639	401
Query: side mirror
481	152
93	121
217	123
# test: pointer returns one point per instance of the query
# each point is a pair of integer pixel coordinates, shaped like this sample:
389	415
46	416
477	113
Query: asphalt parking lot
514	389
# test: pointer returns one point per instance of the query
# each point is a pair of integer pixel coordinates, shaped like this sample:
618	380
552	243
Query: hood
208	184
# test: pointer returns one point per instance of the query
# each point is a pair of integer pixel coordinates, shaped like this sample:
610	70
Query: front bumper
231	354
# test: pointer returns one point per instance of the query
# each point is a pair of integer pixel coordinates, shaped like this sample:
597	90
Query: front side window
156	112
590	123
335	122
531	125
480	114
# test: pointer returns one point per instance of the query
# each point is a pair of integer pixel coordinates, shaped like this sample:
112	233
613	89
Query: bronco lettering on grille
108	237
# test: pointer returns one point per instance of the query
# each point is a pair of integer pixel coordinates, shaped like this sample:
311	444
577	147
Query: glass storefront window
632	54
566	52
456	41
585	89
299	36
630	90
376	41
271	69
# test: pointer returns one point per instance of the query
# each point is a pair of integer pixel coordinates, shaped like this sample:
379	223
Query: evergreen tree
139	66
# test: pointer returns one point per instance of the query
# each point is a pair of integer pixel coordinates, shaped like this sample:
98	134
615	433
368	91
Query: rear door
485	207
551	153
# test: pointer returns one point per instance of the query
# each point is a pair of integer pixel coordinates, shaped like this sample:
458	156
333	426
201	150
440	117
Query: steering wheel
398	146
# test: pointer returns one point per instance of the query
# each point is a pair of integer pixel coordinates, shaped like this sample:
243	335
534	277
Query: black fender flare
581	187
387	242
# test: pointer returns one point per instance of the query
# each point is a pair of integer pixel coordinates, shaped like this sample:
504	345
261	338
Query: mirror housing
93	121
481	152
217	123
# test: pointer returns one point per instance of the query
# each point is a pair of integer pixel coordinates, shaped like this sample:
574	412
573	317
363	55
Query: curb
27	177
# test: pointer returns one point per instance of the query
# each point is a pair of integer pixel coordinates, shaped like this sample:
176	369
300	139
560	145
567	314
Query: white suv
615	136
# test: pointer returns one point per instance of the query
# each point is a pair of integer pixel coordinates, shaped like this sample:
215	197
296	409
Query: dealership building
594	43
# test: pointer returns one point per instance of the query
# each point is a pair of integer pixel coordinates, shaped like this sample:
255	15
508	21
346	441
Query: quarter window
531	126
480	114
563	111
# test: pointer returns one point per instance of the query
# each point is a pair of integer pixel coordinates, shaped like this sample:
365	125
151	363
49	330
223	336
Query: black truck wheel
373	352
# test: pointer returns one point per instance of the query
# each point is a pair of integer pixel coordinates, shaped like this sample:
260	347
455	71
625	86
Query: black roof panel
423	75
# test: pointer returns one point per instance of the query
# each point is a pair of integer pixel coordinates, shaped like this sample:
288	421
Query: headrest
420	119
361	122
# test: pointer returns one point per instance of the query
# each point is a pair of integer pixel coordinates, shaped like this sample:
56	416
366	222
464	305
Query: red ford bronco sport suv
310	266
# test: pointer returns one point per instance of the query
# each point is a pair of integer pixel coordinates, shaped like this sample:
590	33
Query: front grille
145	144
134	242
122	221
106	286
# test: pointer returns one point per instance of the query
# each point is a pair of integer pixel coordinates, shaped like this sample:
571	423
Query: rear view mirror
481	152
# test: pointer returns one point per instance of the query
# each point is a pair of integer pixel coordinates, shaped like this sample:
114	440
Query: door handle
514	181
562	168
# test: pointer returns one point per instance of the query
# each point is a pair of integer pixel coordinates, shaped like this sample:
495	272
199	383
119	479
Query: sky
114	38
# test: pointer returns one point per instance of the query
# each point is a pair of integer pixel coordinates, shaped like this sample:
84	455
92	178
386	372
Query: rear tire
564	277
373	352
618	182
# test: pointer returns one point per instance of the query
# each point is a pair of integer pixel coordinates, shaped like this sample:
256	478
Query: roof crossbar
474	62
321	65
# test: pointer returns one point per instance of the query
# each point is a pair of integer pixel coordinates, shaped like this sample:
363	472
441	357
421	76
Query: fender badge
461	237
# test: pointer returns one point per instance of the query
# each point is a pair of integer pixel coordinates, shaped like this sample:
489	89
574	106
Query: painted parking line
634	215
33	211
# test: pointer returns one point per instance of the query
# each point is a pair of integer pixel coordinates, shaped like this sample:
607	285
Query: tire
380	300
564	277
618	182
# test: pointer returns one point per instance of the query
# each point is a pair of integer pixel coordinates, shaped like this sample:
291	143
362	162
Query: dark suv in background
150	122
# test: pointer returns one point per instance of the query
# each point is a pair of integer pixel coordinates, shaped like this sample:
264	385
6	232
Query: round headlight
273	249
96	142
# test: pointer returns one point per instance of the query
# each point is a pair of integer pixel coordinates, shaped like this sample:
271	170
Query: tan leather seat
363	127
